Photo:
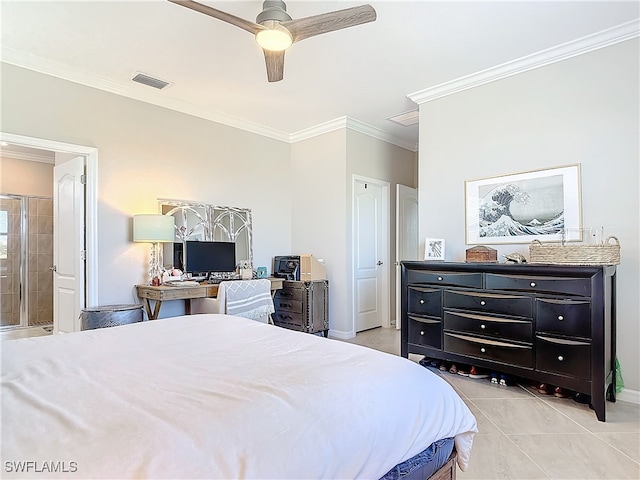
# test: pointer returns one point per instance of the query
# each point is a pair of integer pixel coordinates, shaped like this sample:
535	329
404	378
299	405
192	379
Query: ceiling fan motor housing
275	10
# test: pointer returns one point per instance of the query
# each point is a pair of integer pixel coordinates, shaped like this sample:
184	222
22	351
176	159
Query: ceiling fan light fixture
275	40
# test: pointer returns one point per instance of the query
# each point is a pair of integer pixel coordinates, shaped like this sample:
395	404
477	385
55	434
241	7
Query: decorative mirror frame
212	223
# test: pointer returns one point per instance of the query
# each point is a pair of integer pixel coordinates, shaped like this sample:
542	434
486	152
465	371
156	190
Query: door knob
53	268
379	263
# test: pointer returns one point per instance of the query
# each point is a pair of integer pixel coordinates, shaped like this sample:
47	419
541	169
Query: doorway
26	255
88	224
370	253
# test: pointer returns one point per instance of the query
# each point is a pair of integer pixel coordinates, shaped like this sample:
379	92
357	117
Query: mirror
203	222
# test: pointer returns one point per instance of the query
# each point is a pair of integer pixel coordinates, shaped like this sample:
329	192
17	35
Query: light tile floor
13	333
526	435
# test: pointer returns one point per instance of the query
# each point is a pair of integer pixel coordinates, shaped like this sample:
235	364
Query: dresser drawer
503	328
530	283
458	279
424	300
288	318
566	317
566	357
289	293
287	305
425	331
490	302
504	352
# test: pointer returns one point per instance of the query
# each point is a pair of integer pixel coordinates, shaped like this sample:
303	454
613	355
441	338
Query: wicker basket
605	254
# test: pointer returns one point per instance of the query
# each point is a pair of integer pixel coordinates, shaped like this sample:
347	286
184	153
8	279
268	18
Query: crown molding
352	124
32	157
56	69
589	43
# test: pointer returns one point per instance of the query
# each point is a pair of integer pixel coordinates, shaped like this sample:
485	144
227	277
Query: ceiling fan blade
302	28
275	65
220	15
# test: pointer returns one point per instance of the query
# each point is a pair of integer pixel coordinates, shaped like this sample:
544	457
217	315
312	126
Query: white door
68	245
371	270
406	233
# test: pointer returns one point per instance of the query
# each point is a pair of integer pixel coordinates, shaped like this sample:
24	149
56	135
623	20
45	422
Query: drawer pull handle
285	304
421	301
483	326
560	317
439	278
483	350
483	302
533	284
560	357
422	333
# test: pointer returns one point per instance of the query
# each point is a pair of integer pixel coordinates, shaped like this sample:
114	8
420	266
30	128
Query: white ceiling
364	73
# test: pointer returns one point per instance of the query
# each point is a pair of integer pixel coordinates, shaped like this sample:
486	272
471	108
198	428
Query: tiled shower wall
39	259
40	280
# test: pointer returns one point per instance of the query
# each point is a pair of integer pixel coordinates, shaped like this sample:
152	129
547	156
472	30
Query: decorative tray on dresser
553	324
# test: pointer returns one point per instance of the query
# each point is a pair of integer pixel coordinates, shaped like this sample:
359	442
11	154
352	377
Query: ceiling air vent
150	81
406	119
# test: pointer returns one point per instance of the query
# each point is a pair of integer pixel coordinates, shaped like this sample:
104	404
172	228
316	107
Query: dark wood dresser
303	306
548	323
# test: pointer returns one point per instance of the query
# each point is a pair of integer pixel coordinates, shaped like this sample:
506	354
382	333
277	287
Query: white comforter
217	396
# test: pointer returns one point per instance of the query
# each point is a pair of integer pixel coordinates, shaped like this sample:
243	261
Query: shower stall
26	260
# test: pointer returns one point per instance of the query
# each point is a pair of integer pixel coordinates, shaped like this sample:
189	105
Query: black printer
298	268
287	267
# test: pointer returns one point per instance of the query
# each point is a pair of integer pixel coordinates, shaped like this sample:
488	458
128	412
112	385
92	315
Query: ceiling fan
275	31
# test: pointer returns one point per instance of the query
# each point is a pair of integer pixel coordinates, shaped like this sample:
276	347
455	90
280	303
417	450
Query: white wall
318	216
26	177
298	193
145	153
373	158
322	169
582	110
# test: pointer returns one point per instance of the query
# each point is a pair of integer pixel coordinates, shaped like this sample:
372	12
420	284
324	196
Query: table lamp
154	229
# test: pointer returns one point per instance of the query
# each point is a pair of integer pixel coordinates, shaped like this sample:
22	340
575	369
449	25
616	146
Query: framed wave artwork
542	205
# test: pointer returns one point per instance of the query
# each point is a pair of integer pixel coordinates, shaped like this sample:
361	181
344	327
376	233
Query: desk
204	290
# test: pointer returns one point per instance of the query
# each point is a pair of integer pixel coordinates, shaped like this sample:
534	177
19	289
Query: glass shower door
11	254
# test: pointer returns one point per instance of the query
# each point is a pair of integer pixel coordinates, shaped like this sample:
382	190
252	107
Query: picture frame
434	249
543	205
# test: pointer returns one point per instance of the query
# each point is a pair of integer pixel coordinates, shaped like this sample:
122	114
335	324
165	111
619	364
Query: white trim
341	334
631	396
135	91
352	124
91	223
384	248
589	43
28	156
604	38
142	93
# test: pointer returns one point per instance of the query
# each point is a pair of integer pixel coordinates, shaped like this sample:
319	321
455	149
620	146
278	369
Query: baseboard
341	334
631	396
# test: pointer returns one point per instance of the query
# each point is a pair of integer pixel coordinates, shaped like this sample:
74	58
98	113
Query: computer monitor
209	257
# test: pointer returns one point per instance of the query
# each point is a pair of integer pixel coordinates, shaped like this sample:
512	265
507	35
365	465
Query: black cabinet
303	306
549	323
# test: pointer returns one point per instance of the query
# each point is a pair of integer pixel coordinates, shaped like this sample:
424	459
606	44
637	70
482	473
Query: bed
218	396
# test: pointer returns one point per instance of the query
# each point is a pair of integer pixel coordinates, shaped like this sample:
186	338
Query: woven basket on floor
605	254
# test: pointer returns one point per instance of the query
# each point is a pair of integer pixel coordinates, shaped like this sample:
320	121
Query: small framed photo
261	272
434	249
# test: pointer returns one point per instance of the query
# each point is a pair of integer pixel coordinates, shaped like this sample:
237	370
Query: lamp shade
152	228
